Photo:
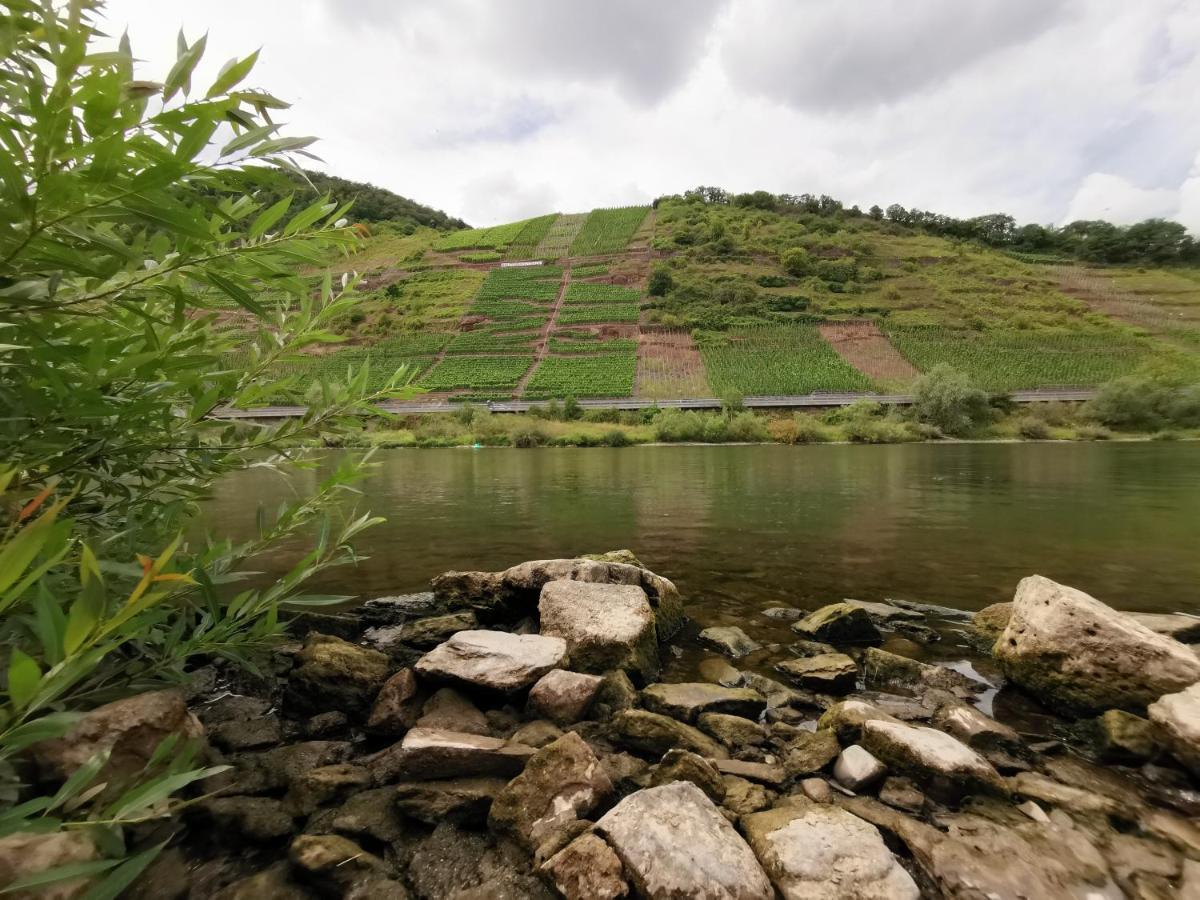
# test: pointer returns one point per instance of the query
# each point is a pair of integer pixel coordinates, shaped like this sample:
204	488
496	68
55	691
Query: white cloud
494	111
1111	197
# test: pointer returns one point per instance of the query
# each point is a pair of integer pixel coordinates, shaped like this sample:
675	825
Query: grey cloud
509	122
829	56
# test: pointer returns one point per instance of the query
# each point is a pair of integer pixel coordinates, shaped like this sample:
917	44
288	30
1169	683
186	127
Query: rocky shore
509	735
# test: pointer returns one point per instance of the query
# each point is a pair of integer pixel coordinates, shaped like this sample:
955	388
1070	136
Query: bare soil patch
864	346
669	366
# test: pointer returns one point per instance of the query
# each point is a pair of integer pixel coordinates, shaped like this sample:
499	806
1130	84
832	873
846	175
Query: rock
679	765
606	626
997	742
732	731
333	674
625	557
492	660
326	786
817	789
686	701
1034	812
886	613
830	673
449	862
397	706
992	620
248	734
729	639
369	814
448	710
563	697
537	733
377	889
765	773
857	769
130	729
1178	717
812	850
562	781
235	819
743	796
272	883
398	610
888	670
718	671
811	648
944	767
809	753
463	801
331	860
627	772
424	634
656	734
783	613
327	724
1036	786
1183	628
25	854
902	794
675	843
275	770
1070	649
616	693
587	869
430	753
847	718
1124	737
839	623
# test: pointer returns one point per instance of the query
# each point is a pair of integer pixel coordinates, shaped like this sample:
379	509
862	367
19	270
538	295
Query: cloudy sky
494	110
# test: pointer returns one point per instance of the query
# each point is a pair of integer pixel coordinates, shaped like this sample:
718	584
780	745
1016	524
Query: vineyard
670	367
604	375
476	373
782	361
528	238
1015	360
495	238
608	230
560	236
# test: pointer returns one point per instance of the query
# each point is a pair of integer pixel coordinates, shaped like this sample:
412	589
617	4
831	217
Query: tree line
1151	242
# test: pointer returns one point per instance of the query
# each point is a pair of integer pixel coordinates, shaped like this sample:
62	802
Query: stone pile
505	737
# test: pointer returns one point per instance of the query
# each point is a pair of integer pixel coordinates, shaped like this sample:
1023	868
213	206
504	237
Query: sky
496	110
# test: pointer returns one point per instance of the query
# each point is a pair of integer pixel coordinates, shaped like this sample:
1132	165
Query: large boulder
653	734
493	660
1071	650
562	781
813	851
992	620
130	729
333	674
676	844
428	753
1178	717
945	768
688	700
514	593
606	626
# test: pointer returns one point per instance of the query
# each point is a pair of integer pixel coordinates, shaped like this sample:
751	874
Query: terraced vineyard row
602	375
608	230
476	373
784	360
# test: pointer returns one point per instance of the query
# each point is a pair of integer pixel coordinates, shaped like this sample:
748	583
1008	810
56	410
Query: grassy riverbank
862	424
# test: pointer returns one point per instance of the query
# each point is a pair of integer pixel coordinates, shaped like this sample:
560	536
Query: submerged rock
562	781
686	701
1178	715
1071	649
811	850
493	660
729	639
605	626
718	671
676	844
945	768
839	623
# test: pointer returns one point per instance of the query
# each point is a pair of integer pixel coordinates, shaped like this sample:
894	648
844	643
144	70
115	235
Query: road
807	401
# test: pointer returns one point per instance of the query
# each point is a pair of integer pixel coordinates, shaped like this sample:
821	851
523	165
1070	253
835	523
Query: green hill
711	295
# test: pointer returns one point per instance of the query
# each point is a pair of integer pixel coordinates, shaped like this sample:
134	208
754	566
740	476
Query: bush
660	282
837	271
1092	433
1183	407
616	438
571	411
1130	403
799	429
945	397
528	436
1033	429
746	427
675	426
796	262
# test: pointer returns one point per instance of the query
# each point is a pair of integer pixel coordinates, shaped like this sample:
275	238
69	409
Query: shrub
1092	433
746	427
675	425
528	436
796	262
1183	407
660	282
616	438
837	271
571	410
1130	403
945	397
799	429
1033	429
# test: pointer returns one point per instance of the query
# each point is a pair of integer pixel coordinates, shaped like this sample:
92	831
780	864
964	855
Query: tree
945	398
129	219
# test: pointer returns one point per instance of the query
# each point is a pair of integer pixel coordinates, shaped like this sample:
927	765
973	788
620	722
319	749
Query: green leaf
80	779
61	873
181	73
269	217
156	790
45	728
248	139
232	74
307	217
282	145
24	676
123	876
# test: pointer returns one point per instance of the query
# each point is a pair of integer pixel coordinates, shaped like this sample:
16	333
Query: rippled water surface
739	528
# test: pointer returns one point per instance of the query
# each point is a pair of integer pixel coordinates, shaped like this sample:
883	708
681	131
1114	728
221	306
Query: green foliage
124	230
525	244
589	271
796	262
591	292
608	375
779	361
660	282
680	426
1146	404
482	256
371	203
476	372
946	398
608	230
487	342
598	313
497	237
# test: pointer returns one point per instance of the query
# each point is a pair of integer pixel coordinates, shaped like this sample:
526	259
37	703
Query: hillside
695	299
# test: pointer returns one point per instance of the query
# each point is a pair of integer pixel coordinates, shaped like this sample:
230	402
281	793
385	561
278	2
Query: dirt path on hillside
543	341
866	348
